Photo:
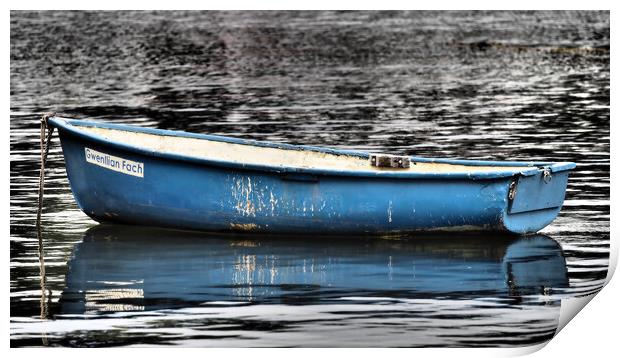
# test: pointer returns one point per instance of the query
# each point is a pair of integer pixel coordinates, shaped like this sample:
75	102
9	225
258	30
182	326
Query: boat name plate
117	164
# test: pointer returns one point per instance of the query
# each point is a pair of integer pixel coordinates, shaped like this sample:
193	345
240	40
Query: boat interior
270	156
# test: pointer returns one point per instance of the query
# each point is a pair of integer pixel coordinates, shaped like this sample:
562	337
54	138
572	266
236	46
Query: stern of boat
535	199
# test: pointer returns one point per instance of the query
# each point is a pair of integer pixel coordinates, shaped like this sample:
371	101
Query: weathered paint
203	194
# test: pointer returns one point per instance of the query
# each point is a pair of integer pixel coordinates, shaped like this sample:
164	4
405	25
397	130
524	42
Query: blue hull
170	190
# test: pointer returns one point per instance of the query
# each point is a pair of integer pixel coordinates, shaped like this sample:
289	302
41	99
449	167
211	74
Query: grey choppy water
480	85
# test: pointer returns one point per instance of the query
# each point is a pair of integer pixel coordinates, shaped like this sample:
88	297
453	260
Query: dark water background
478	85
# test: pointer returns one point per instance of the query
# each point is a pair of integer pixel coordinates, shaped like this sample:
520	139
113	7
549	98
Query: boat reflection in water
123	268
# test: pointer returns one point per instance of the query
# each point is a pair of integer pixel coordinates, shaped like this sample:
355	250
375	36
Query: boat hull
198	196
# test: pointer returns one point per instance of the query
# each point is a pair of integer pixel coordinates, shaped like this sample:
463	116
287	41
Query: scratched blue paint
201	194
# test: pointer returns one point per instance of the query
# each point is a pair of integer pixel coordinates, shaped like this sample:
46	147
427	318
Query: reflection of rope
46	139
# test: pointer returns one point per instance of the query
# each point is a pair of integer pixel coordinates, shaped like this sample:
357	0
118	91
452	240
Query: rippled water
479	85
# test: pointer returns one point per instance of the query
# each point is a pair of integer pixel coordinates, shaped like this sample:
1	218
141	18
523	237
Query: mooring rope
46	140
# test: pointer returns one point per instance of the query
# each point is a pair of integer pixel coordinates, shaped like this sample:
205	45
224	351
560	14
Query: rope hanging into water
46	140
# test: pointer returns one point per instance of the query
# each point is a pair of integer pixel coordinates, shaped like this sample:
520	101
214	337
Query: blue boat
120	268
135	175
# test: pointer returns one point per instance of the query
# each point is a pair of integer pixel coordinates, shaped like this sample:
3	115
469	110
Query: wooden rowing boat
136	175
